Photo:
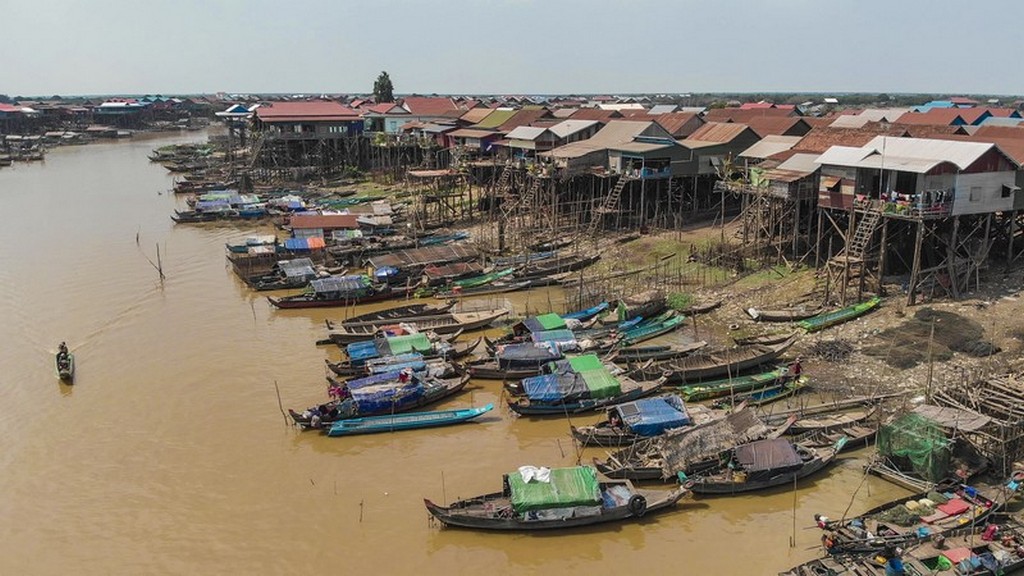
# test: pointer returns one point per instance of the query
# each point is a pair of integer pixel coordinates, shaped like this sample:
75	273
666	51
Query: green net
919	442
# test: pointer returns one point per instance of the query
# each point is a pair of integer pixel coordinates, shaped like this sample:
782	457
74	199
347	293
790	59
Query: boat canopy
765	455
652	416
572	386
374	380
350	284
408	343
565	488
533	353
297	268
544	322
565	340
388	396
390	346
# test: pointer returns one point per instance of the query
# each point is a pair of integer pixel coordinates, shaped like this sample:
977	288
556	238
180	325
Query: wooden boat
632	390
737	384
735	361
522	259
980	550
768	339
764	464
695	309
689	450
822	321
587	313
442	350
834	419
336	291
571	498
498	287
251	242
285	274
772	393
398	397
439	324
542	273
911	519
656	353
396	314
405	421
64	363
784	314
625	424
856	437
648	330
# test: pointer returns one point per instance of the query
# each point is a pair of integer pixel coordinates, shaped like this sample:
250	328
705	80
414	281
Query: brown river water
169	455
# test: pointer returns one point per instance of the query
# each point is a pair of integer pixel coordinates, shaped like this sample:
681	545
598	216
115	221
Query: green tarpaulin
408	343
551	321
576	486
585	362
600	383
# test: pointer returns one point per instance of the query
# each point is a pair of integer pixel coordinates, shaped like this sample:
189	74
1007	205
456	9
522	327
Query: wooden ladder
610	204
862	235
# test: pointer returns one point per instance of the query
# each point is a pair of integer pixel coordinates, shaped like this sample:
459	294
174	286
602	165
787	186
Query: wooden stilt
916	269
882	254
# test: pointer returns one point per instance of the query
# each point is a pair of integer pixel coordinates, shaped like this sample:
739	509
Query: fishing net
918	443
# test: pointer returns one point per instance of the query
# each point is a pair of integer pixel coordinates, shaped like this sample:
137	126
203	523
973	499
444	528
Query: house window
1006	191
975	194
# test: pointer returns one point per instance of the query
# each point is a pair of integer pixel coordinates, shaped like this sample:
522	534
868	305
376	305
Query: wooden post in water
159	263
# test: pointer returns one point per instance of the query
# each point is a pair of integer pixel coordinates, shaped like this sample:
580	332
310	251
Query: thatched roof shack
682	448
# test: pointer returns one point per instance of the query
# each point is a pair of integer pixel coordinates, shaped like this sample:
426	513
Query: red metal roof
935	116
427	106
523	118
962	100
318	110
603	116
1016	132
323	221
8	108
385	108
756	105
821	139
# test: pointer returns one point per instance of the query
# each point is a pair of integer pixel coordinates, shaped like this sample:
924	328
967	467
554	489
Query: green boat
828	319
646	331
727	386
482	279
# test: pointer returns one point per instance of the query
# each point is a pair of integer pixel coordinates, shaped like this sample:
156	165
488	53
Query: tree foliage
383	90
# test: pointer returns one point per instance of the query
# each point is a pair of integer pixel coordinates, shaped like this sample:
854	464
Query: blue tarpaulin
653	416
387	397
555	388
565	340
374	380
533	354
359	352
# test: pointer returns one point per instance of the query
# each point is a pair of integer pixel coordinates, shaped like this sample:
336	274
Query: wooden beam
915	271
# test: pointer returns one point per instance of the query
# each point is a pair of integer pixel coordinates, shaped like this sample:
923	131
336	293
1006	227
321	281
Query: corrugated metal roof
316	110
662	109
770	145
941	116
641	147
821	139
718	132
526	133
563	112
428	106
475	115
1002	121
496	118
472	133
737	115
523	117
596	114
768	126
567	128
614	133
906	154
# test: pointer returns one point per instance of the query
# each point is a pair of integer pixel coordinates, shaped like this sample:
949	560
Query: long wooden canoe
736	384
439	324
715	364
405	421
822	321
784	314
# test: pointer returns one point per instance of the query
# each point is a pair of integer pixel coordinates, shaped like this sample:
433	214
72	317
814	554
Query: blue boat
406	421
587	314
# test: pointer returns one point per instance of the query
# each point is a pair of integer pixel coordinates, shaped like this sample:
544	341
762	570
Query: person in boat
62	350
796	369
615	421
404	375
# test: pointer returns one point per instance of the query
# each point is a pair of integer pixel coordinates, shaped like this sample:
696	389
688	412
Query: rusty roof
475	115
821	139
719	132
428	106
472	133
321	110
938	116
779	126
932	130
523	117
603	116
1015	132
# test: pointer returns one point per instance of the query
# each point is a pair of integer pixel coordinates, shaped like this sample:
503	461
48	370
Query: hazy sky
510	46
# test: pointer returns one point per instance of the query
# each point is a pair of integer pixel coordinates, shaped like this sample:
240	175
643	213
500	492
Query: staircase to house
862	235
610	203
